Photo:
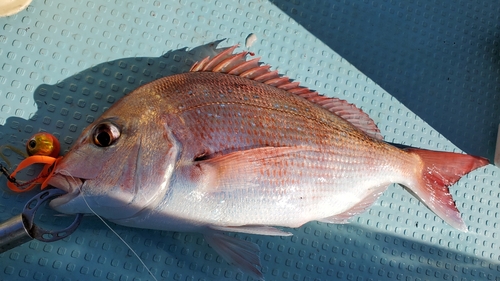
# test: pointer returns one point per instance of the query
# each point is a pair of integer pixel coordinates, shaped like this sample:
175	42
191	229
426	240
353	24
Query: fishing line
112	230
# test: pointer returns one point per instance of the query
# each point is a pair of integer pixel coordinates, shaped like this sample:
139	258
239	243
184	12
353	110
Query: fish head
119	165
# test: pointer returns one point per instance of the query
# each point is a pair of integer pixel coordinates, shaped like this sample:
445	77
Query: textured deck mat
64	62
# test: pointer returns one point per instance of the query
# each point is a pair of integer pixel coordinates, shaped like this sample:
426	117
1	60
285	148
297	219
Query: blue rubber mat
439	58
426	72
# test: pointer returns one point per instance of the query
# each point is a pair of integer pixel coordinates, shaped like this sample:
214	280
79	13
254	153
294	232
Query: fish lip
69	184
63	199
66	183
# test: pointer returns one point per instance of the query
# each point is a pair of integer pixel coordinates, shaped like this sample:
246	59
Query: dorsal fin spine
236	64
289	85
230	63
198	66
219	58
254	72
267	76
276	82
247	65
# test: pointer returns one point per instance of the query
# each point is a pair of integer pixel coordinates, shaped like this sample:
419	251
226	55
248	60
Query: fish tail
441	170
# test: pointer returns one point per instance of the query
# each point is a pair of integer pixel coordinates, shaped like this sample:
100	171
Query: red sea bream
233	147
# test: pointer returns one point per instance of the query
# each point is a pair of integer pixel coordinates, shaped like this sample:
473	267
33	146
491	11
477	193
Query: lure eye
43	144
106	134
32	143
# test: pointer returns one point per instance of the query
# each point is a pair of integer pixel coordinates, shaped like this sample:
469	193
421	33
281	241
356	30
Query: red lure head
43	144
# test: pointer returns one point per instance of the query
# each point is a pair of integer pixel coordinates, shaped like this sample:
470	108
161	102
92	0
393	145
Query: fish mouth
69	184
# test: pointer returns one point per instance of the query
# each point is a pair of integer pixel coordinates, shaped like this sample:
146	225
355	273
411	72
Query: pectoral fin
244	169
241	253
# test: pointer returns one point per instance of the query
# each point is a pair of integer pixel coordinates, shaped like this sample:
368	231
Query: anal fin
356	209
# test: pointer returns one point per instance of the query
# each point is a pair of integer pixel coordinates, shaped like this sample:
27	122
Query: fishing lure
42	148
42	178
43	144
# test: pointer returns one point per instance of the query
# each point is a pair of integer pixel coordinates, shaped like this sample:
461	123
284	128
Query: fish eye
106	134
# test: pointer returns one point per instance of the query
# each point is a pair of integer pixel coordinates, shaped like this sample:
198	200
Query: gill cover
116	167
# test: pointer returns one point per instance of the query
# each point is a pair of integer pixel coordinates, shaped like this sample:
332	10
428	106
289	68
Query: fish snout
69	184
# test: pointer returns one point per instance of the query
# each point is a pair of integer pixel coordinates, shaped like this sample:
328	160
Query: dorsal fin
236	64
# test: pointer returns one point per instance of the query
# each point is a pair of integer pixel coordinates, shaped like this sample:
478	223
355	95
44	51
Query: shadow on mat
315	252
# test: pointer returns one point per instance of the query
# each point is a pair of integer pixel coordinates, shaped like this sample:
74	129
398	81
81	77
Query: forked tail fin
441	170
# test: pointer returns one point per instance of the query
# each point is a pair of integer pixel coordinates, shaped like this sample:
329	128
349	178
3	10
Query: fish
232	146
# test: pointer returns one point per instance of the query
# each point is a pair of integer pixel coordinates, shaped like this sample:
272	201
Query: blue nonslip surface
441	59
427	72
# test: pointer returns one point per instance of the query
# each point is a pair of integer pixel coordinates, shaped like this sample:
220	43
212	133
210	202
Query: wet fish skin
210	152
266	117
